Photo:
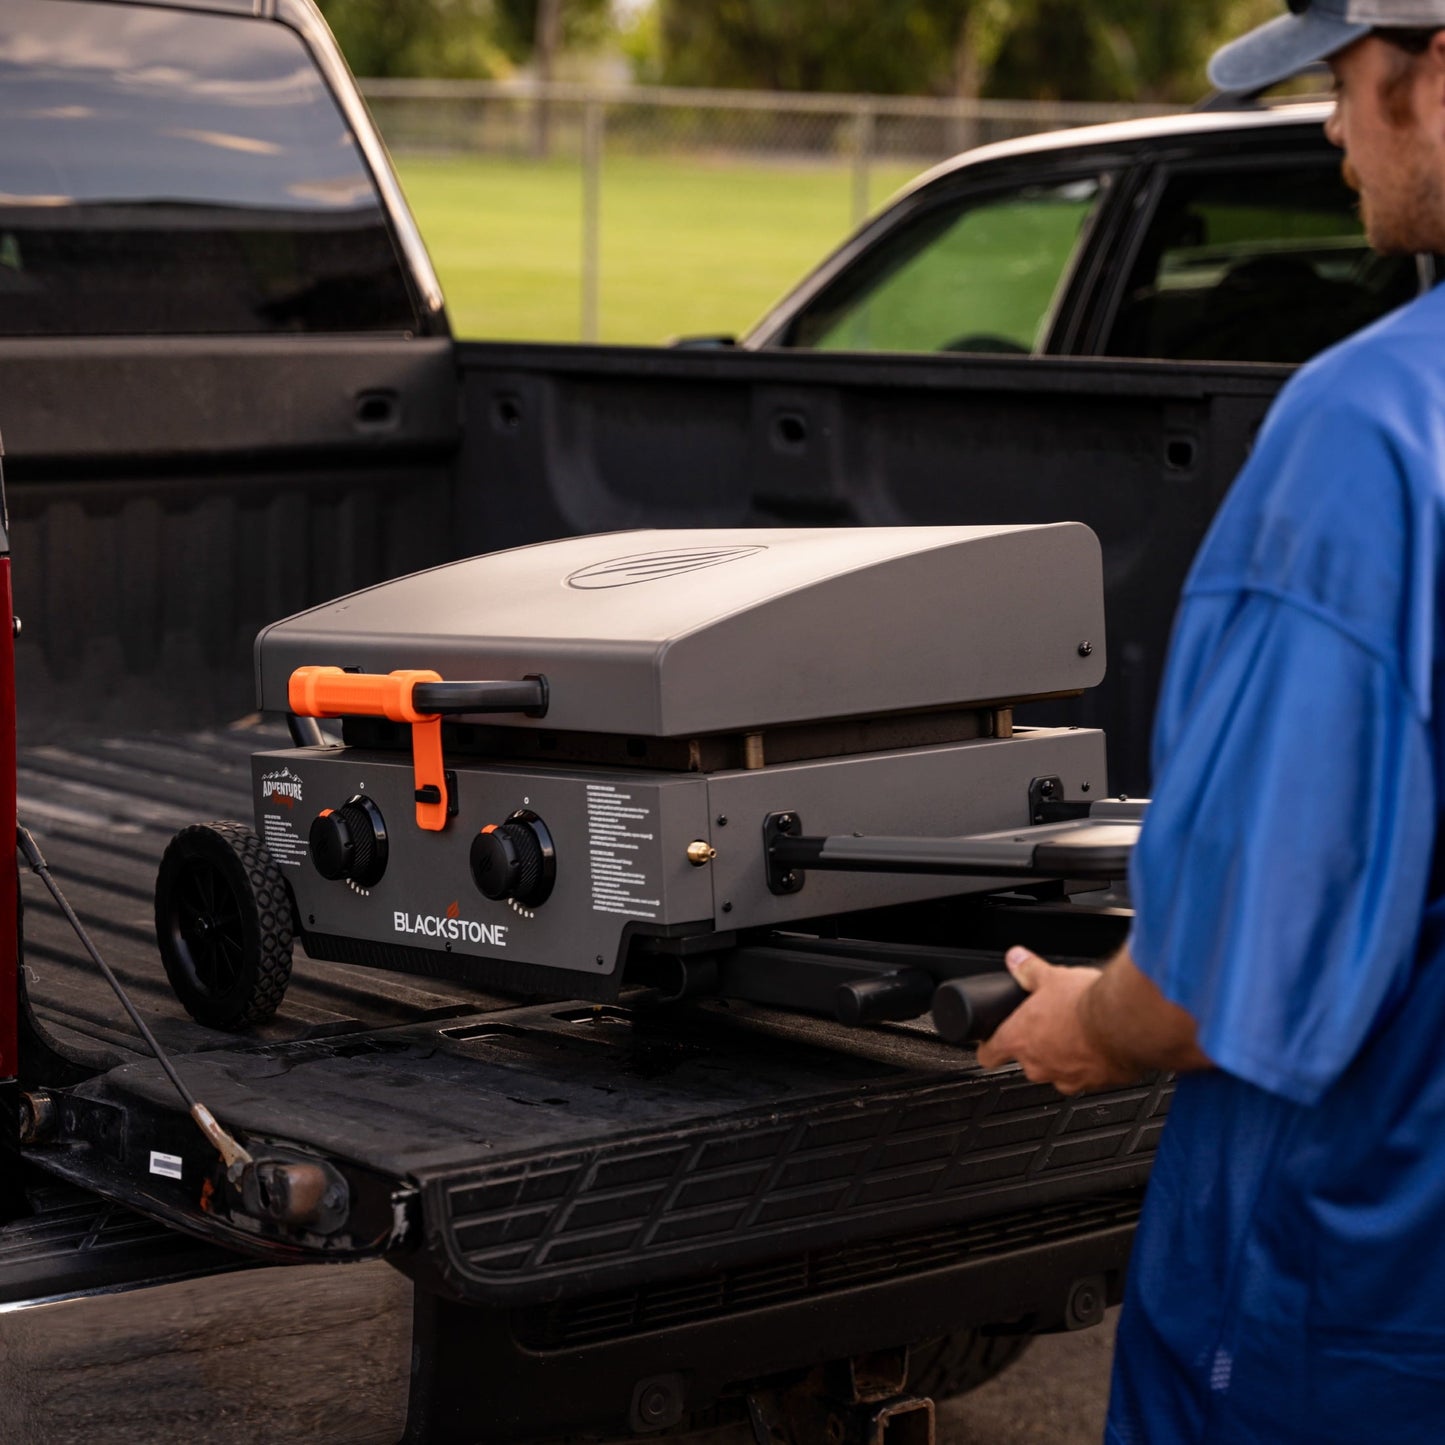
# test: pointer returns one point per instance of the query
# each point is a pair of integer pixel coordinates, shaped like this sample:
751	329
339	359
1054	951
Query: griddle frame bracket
783	878
1047	803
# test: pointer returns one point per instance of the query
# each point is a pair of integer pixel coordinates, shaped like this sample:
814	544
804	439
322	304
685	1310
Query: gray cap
1313	31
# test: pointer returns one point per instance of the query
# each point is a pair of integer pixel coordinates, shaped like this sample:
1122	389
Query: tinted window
979	275
164	171
1266	264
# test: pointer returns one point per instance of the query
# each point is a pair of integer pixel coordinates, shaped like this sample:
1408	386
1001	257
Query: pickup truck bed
618	1185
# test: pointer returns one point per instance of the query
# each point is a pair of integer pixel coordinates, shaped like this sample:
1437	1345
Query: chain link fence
870	143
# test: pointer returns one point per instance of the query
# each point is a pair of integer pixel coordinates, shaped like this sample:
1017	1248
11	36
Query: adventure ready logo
283	788
450	926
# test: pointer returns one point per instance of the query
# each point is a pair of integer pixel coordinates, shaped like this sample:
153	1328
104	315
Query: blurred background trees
449	38
470	39
1129	50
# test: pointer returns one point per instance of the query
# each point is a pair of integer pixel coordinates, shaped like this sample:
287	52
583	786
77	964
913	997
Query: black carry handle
966	1010
530	696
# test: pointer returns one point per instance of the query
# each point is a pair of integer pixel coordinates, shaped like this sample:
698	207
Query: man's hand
1089	1028
1046	1034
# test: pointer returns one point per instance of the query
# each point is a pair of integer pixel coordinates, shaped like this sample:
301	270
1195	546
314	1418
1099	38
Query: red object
9	879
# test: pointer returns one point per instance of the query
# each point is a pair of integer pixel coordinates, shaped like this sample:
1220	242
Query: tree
1134	50
1129	50
462	38
811	44
537	30
453	38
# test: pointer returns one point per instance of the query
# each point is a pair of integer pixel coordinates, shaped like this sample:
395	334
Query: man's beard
1415	224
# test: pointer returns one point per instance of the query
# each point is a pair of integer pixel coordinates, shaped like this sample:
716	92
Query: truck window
165	171
980	274
1262	264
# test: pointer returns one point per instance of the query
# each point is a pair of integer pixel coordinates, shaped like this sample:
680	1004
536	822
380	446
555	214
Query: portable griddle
683	759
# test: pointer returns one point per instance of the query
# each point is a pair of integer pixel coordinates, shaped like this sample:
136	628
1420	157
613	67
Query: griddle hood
680	633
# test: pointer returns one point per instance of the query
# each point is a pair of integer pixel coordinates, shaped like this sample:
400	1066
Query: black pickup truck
228	391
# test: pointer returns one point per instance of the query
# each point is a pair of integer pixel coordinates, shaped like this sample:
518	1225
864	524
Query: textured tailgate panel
750	1188
621	1314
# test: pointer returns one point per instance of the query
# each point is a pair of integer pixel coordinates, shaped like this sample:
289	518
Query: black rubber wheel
224	925
957	1363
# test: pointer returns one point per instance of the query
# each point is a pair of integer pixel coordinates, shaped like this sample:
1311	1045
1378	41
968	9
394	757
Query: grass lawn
688	244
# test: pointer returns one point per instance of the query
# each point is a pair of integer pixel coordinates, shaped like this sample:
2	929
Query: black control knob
350	842
515	860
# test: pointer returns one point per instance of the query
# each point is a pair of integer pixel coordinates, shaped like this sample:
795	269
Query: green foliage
1129	50
585	24
468	39
640	41
1125	50
838	45
1056	49
452	38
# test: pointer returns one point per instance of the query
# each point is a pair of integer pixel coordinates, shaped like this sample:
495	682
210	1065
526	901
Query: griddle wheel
224	925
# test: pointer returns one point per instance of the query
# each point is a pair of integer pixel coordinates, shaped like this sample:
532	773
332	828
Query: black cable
230	1150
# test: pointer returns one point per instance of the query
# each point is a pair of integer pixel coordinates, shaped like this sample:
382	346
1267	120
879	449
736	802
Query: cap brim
1279	49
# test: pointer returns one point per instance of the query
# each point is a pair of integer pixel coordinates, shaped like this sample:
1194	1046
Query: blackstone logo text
454	930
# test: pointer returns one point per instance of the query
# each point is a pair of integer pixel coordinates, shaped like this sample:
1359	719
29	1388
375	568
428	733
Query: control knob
350	842
515	861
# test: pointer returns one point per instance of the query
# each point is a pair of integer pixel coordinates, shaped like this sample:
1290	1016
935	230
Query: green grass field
688	245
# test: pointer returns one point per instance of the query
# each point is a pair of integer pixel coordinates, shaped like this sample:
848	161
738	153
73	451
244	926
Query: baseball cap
1313	30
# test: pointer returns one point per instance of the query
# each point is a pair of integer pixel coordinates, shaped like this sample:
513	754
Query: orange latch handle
330	692
430	774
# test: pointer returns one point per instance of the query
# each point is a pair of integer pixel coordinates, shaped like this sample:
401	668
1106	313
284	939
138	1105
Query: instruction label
616	830
168	1166
280	801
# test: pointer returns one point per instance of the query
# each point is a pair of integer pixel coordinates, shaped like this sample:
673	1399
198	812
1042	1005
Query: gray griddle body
621	849
676	634
684	634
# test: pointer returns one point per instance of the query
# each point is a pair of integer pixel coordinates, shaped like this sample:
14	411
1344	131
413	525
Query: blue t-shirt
1288	1280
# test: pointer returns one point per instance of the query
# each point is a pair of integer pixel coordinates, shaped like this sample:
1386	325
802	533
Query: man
1288	954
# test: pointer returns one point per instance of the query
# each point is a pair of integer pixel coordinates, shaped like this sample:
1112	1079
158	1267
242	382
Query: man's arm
1089	1028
